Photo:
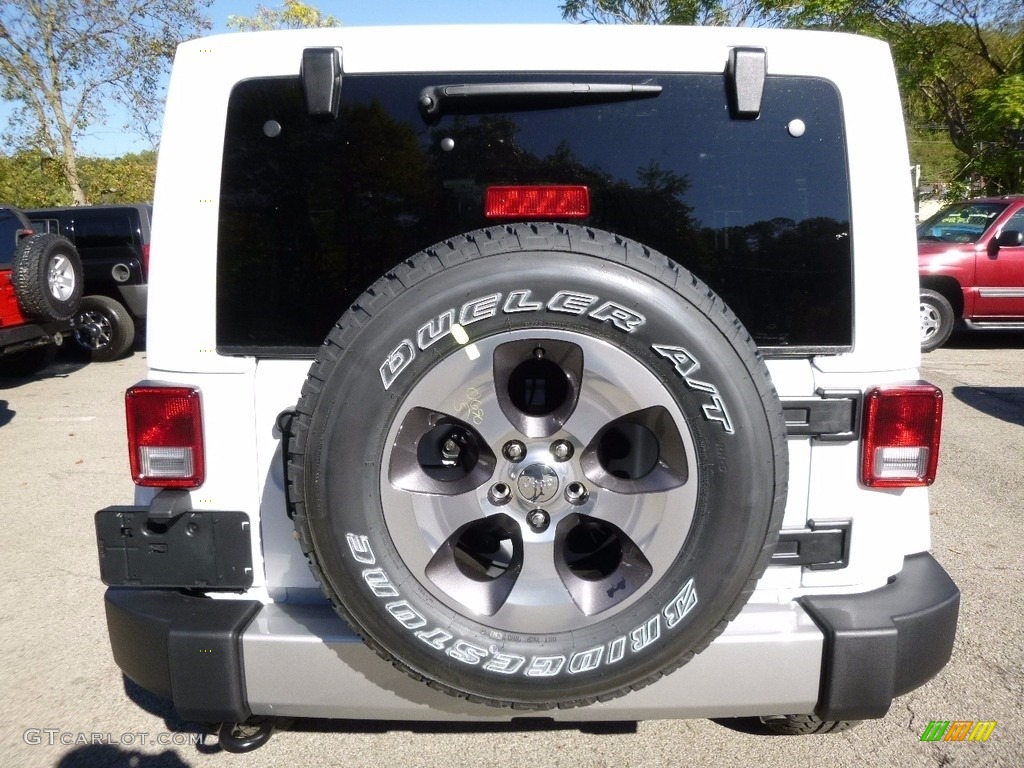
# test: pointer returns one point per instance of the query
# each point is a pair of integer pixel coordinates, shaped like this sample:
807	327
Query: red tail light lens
165	436
901	436
145	261
537	202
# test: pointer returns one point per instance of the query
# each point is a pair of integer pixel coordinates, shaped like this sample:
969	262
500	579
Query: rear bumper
21	337
883	643
840	656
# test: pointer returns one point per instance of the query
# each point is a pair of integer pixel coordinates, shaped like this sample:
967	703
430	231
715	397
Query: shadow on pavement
110	756
986	340
61	368
1004	403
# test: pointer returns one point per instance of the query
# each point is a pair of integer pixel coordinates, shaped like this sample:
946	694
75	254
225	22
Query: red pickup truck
971	266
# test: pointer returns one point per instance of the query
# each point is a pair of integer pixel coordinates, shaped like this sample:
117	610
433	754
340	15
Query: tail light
165	436
901	436
145	261
552	201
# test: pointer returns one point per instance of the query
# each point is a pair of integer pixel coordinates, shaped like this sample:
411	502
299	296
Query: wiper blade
438	100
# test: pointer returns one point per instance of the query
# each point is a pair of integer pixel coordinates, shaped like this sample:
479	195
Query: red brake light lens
145	261
902	427
165	436
552	201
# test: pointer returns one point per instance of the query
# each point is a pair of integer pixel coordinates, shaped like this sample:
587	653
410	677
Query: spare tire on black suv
603	534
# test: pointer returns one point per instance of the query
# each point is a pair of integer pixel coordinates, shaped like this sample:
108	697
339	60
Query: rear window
10	228
312	211
106	229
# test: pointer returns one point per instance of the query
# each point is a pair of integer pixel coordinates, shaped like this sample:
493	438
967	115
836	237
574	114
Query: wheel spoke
478	565
538	383
438	454
598	564
641	452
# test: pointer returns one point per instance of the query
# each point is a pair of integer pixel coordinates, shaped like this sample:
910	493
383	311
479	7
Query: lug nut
562	450
514	451
576	493
450	452
538	520
499	494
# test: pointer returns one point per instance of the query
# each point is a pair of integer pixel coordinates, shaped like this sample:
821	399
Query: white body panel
242	397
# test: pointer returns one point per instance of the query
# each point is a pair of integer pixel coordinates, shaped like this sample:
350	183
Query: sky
111	141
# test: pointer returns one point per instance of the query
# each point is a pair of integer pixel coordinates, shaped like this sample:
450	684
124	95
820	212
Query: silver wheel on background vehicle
930	322
937	319
93	330
532	471
61	278
104	329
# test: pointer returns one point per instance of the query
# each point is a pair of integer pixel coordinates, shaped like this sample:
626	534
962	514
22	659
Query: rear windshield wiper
438	100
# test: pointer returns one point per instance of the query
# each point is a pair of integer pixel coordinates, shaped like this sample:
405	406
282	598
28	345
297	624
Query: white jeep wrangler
539	372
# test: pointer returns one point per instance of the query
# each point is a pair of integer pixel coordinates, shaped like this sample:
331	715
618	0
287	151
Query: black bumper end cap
183	648
884	643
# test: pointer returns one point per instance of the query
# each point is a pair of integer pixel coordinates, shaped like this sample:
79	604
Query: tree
959	62
700	12
291	15
65	63
33	179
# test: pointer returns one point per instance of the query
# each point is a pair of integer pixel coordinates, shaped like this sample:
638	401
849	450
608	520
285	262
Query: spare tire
538	466
47	276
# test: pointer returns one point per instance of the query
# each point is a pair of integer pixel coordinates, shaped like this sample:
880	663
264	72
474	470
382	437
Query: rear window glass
312	211
10	227
106	229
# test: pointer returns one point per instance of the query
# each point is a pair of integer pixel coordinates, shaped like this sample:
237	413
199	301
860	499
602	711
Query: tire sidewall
705	364
122	328
944	311
31	275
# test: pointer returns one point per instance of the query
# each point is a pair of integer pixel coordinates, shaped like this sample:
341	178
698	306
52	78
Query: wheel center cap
537	484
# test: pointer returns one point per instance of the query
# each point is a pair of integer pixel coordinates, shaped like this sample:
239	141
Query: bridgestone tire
104	329
611	377
47	277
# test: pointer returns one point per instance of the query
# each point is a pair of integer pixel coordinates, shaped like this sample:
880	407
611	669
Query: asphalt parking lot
65	703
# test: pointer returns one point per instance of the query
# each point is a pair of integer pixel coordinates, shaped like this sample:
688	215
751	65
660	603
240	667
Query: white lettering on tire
379	583
505	663
645	634
467	652
359	546
681	605
621	317
545	666
483	307
396	362
586	661
685	365
493	659
406	615
436	329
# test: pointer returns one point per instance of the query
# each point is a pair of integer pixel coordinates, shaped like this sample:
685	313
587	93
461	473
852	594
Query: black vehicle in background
113	241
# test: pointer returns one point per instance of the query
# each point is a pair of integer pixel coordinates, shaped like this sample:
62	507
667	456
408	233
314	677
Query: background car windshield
960	223
312	211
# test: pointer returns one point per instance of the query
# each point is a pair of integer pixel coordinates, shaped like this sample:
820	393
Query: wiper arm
437	100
